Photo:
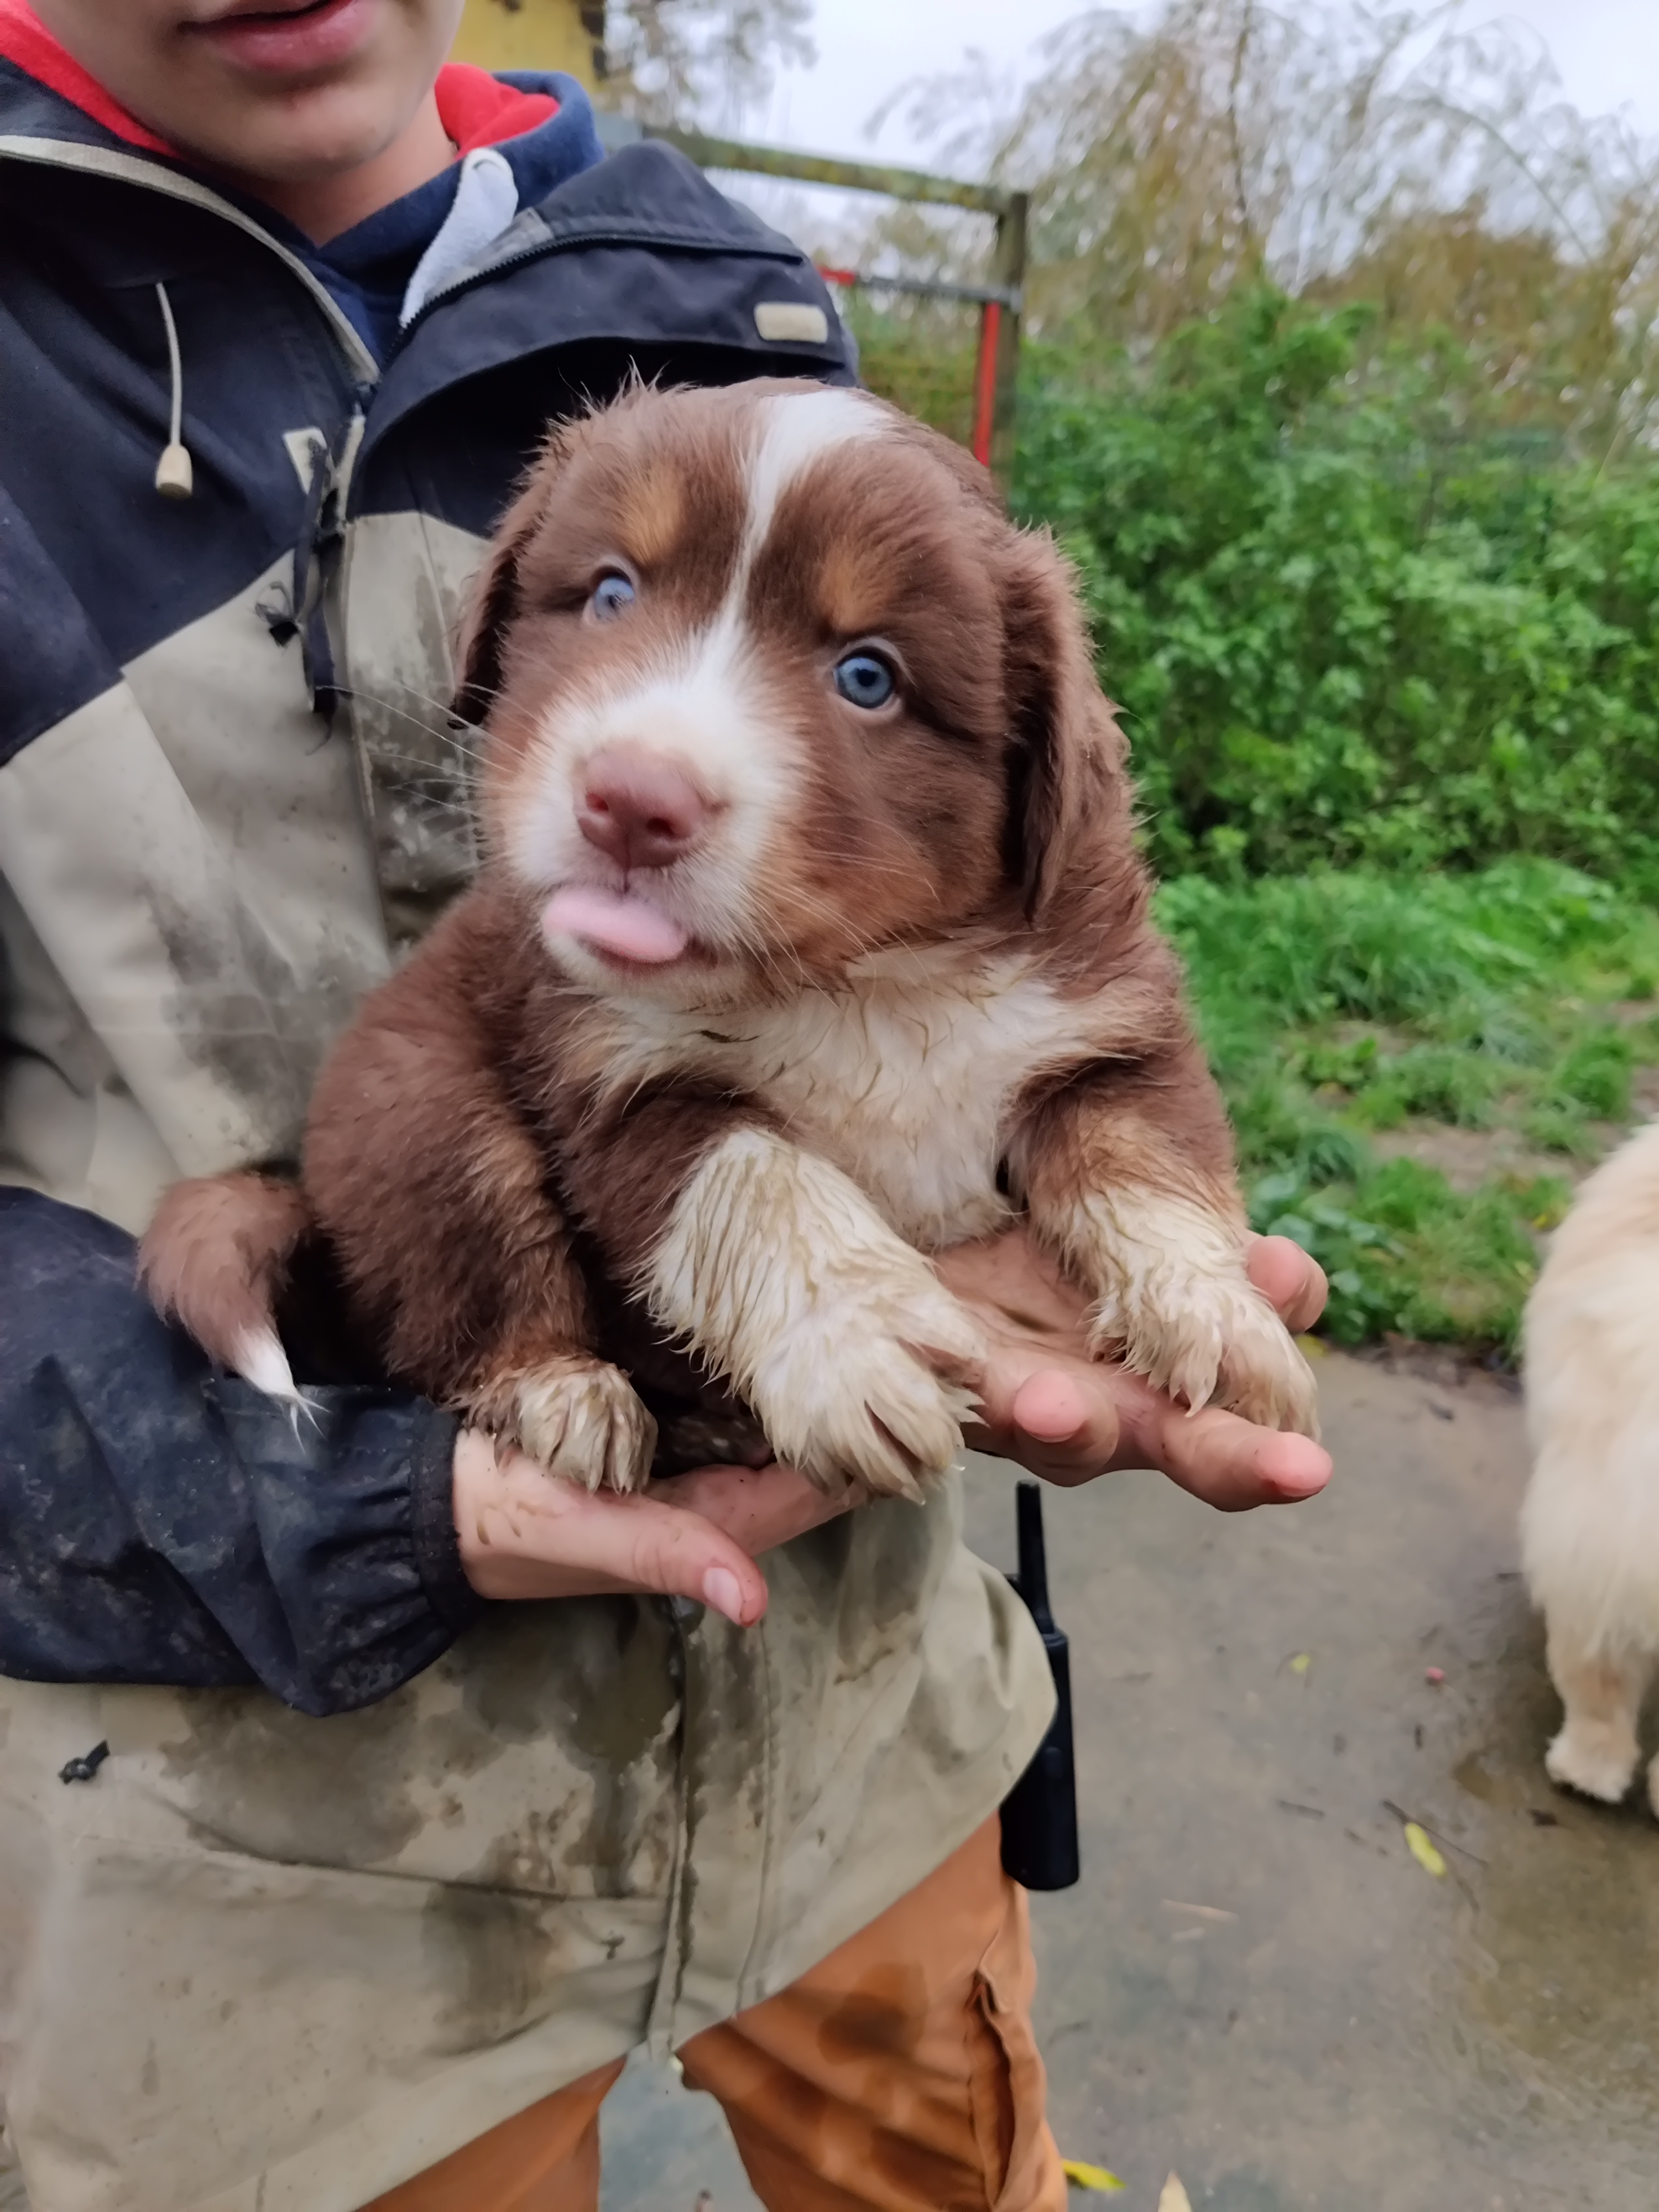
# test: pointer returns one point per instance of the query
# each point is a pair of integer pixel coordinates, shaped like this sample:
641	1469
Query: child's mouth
291	41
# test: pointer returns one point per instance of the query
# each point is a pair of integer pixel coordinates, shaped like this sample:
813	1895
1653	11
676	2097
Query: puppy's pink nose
639	808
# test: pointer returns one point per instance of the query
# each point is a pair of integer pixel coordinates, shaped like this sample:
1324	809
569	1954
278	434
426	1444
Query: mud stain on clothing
584	1688
883	2018
242	1013
254	1776
499	1956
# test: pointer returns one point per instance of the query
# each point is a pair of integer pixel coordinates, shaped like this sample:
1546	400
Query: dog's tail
217	1258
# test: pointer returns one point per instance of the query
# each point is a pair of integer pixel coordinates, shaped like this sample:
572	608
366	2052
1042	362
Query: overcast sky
1607	51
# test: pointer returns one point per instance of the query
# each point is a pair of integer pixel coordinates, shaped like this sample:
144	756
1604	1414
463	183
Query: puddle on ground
1558	1965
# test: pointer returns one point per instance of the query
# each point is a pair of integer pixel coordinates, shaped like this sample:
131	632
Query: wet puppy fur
884	978
1590	1522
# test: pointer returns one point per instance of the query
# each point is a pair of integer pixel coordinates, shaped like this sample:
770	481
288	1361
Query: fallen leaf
1313	1347
1302	1662
1175	2197
1083	2176
1423	1851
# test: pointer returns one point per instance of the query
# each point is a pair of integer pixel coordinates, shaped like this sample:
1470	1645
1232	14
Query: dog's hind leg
437	1196
217	1258
1596	1751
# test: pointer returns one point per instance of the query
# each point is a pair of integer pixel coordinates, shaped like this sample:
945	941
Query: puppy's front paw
872	1386
1210	1338
580	1419
1265	1375
778	1271
1177	1306
1594	1757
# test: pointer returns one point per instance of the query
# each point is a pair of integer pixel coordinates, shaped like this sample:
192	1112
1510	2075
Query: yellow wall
534	35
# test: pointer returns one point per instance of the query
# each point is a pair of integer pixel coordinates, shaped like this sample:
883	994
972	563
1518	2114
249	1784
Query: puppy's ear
494	600
1068	779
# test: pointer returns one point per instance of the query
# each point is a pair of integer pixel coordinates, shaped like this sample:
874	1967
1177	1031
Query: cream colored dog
1590	1524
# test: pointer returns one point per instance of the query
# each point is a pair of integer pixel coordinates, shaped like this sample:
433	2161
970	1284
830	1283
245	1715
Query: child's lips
293	40
620	924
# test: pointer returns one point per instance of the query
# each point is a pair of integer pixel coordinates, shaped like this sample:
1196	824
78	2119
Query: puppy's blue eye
865	679
613	595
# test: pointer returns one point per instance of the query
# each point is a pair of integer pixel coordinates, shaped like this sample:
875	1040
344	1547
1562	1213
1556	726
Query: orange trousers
901	2075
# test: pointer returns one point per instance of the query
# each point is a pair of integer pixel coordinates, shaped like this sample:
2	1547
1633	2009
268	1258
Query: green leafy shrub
1350	617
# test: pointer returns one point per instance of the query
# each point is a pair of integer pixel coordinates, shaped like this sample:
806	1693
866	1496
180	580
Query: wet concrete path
1256	1985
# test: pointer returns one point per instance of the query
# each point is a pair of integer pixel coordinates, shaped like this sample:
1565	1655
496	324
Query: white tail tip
261	1361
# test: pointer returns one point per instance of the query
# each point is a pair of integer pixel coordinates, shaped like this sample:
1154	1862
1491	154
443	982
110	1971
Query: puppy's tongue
618	922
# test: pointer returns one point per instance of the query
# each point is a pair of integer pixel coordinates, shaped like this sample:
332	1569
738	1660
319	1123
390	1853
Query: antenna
1039	1814
1032	1581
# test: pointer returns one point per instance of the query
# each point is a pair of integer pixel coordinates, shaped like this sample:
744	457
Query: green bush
1349	618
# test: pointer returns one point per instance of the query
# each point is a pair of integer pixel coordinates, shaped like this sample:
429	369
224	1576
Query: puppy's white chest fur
903	1078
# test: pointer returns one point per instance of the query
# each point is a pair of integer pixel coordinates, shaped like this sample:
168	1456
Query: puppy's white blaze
1174	1295
794	431
706	707
261	1361
778	1270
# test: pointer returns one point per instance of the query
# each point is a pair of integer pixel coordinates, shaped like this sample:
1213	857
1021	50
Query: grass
1350	1016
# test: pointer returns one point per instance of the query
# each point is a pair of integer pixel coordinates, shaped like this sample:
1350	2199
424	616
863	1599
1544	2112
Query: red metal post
985	381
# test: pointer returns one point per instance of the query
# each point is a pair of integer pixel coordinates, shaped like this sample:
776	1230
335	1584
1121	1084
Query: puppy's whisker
420	773
444	707
391	707
447	734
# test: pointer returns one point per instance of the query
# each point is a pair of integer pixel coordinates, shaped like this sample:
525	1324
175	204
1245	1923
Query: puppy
811	939
1590	1522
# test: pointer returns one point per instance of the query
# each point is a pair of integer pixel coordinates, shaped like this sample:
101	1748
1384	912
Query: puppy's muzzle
641	809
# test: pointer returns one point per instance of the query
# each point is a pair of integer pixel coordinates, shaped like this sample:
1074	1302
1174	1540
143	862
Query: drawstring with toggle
174	477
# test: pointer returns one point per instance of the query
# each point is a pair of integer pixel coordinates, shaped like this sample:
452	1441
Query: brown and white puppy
811	939
1590	1524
